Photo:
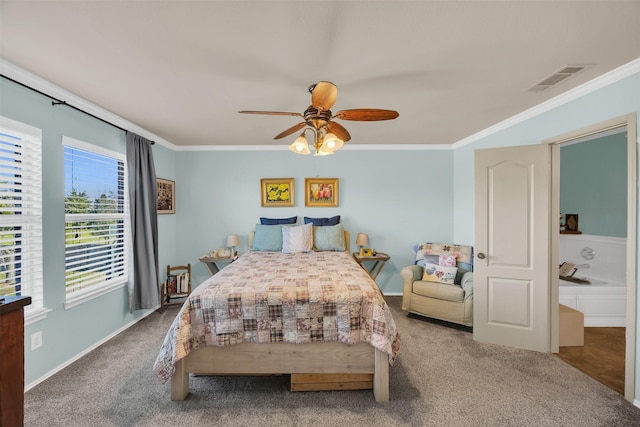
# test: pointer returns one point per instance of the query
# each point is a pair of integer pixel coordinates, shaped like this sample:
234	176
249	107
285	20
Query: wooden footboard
254	359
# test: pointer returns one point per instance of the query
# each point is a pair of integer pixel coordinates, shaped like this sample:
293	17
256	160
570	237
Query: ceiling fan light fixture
300	145
332	142
329	136
321	152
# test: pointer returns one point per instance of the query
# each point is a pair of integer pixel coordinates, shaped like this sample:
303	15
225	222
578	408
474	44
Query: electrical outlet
36	340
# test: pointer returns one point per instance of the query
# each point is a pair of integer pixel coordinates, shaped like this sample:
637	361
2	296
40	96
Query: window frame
32	282
80	296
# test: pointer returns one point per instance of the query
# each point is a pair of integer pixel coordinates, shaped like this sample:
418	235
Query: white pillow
297	239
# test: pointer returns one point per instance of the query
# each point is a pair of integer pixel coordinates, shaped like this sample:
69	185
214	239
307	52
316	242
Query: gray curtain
144	286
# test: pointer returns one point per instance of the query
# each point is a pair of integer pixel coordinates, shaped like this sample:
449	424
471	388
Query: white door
512	261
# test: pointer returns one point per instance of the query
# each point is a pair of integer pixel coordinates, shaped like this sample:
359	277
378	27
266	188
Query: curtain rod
57	101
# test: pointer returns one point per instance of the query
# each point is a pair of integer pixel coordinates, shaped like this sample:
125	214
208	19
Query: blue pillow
267	238
319	222
329	238
276	221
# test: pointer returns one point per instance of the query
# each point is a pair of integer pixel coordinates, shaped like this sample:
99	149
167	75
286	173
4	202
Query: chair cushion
437	290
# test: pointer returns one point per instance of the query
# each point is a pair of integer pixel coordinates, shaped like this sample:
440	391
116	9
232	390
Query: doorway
629	123
593	183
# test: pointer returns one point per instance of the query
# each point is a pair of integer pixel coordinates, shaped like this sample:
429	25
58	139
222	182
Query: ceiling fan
329	135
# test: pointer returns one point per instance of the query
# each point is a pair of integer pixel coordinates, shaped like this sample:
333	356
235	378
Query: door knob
481	255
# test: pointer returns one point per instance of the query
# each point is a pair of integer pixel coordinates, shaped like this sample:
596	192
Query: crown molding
600	82
358	147
30	79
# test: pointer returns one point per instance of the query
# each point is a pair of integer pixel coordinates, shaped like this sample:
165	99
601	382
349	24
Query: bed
271	312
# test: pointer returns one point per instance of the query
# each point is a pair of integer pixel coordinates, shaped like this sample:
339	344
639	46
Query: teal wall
593	184
398	198
165	161
68	333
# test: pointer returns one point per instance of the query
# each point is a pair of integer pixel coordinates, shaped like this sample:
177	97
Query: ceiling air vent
559	76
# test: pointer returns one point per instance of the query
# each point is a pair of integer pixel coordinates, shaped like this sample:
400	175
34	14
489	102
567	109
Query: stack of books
177	284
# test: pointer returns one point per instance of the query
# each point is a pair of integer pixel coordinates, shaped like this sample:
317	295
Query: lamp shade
300	145
362	239
320	151
232	240
332	143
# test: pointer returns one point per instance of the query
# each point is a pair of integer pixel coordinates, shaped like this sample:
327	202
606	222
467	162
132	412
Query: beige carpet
441	378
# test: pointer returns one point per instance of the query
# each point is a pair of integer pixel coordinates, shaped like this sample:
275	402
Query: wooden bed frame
284	358
260	359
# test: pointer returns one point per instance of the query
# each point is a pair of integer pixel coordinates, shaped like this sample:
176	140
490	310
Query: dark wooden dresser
12	360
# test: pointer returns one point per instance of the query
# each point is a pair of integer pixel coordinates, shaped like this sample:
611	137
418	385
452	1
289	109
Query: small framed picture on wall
166	190
277	192
321	192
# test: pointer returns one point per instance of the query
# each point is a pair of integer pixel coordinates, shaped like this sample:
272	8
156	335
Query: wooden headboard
346	240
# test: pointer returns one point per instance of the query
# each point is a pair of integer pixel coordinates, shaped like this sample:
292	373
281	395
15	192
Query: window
96	221
21	214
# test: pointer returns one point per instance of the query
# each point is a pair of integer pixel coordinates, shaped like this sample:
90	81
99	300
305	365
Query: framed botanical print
277	192
321	192
166	190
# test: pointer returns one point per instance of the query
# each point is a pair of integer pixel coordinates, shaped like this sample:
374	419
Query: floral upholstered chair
440	283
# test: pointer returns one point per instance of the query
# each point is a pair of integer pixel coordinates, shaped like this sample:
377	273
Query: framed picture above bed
166	190
277	192
321	192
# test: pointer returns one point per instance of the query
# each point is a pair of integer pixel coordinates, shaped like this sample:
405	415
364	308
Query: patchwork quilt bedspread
272	297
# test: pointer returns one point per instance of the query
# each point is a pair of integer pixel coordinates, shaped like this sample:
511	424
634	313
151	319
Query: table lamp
362	239
232	240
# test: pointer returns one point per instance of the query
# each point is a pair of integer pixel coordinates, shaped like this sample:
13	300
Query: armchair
422	295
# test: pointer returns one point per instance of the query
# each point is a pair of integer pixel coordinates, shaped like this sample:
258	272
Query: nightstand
214	265
379	260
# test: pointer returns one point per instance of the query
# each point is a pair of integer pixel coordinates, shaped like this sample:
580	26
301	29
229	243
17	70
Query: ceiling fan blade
323	95
271	113
291	130
367	114
338	130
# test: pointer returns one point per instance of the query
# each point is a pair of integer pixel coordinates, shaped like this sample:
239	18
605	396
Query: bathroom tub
603	304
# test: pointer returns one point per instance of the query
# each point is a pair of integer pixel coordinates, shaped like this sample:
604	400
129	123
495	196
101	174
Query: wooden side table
211	263
379	260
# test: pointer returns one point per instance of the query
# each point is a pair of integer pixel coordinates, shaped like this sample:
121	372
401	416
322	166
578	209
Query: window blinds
96	218
21	213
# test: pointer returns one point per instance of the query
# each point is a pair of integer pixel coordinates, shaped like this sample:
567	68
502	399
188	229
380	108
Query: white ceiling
183	69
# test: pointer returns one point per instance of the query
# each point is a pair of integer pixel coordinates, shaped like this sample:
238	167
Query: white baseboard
87	351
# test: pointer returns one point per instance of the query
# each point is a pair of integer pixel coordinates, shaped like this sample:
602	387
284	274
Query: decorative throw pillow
320	222
276	221
438	273
267	238
297	239
447	260
463	253
329	238
430	259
